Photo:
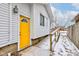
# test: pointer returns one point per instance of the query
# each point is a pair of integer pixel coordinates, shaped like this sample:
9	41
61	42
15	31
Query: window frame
42	20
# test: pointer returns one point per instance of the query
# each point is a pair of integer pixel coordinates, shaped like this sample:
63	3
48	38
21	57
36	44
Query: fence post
50	42
55	37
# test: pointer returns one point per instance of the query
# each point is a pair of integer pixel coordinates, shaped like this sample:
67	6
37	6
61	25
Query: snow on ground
40	49
64	47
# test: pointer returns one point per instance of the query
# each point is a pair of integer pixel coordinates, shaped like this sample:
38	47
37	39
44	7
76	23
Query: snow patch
64	47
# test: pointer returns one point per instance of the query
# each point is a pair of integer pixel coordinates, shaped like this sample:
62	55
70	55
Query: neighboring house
73	31
23	22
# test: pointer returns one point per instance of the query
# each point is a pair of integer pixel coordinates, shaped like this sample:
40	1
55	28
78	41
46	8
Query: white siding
14	25
32	21
40	30
9	35
9	22
23	9
4	23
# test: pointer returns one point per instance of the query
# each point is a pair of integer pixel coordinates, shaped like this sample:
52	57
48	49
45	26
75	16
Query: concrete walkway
64	47
41	49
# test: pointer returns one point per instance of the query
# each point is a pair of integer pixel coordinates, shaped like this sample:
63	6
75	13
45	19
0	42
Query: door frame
19	31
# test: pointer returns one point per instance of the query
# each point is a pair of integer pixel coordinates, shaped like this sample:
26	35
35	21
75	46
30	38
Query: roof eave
49	11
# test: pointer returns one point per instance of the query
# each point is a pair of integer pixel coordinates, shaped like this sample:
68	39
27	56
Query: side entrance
24	32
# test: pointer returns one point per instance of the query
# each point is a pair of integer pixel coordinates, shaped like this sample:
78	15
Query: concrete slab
41	49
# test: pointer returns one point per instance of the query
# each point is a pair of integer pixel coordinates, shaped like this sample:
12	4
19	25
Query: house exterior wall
38	30
30	10
32	20
10	24
12	21
4	23
23	9
33	11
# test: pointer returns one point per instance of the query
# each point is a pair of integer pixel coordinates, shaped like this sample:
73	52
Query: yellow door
24	32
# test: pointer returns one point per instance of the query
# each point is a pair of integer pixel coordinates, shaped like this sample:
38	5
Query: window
24	20
42	20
